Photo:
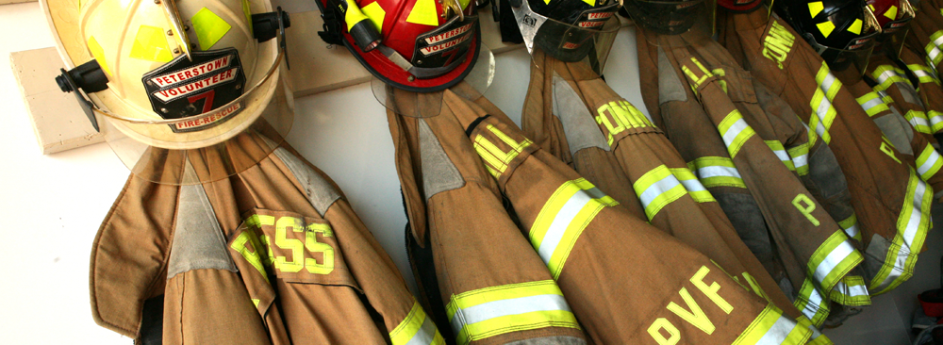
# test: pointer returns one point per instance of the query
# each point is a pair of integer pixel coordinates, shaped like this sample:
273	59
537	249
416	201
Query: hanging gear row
777	186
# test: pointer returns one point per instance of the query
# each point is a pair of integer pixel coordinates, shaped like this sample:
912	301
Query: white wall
52	205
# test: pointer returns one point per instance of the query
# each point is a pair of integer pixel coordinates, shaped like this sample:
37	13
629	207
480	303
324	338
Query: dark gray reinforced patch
896	128
824	170
875	255
198	241
579	125
439	174
670	87
321	194
747	219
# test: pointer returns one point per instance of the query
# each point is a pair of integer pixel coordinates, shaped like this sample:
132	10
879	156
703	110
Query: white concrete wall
52	205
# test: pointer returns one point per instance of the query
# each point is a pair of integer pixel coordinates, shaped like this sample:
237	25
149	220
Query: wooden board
58	121
4	2
316	67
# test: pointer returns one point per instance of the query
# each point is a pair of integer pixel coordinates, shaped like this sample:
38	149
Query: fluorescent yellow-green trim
209	28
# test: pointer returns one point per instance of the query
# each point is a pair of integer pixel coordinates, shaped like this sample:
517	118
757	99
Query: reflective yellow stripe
416	329
872	103
887	75
780	152
800	157
936	120
716	171
924	74
771	327
912	225
850	225
496	159
934	55
656	189
735	131
691	183
928	163
209	28
918	120
483	313
832	260
811	303
561	221
821	102
851	291
817	337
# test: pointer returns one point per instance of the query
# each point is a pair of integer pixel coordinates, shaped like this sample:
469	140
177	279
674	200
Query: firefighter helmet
569	30
412	45
843	32
893	16
173	75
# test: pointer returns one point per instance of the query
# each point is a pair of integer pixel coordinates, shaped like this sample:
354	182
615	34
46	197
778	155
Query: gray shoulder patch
909	93
670	87
439	174
558	340
320	193
825	171
198	239
897	130
578	125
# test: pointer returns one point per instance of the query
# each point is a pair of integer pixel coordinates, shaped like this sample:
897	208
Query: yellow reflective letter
662	323
710	291
696	316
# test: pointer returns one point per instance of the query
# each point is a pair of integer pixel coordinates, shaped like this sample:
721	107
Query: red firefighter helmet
894	17
413	45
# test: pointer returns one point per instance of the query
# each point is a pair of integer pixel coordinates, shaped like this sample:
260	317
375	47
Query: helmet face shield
692	20
849	65
588	39
429	104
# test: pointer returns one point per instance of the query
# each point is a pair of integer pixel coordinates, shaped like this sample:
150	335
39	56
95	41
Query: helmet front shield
587	40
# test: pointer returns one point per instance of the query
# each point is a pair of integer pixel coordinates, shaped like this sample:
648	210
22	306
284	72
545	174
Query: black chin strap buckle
332	29
86	78
266	26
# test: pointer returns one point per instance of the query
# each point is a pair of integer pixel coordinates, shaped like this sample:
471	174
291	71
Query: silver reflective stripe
783	156
506	307
852	231
929	163
938	41
693	185
717	171
778	334
734	131
832	260
917	120
800	160
822	112
827	82
560	222
426	334
657	188
934	53
872	103
815	303
910	232
922	74
854	290
884	76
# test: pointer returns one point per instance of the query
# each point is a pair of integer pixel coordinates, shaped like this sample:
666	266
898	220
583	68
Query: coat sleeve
812	160
129	255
